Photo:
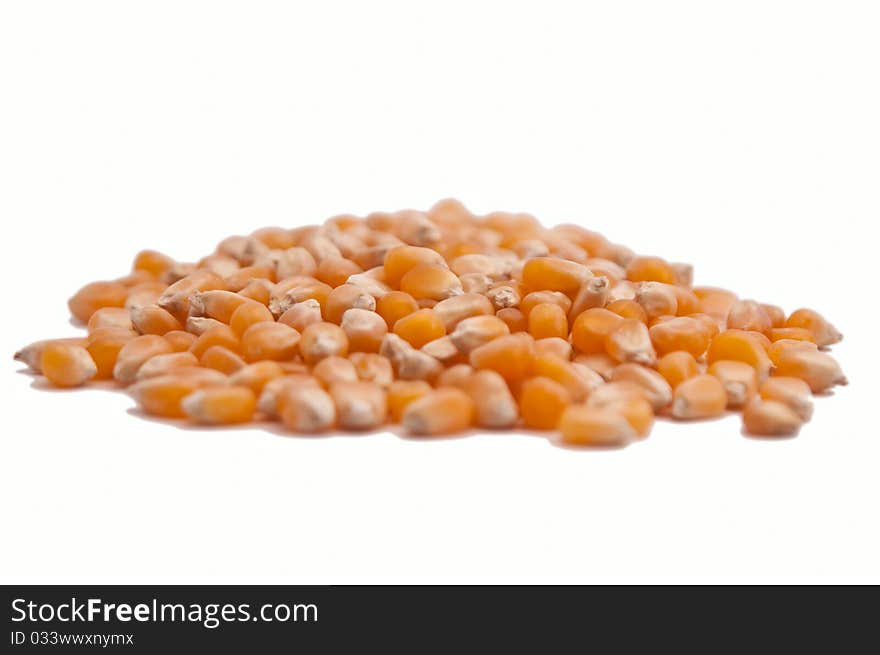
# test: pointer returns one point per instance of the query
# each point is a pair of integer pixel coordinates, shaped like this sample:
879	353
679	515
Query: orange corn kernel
110	317
346	297
824	334
152	319
255	376
162	395
591	328
680	333
216	303
656	389
541	403
511	356
818	369
401	260
372	367
403	392
630	342
535	298
457	308
775	314
222	335
740	346
715	302
220	405
699	397
601	363
793	392
555	346
395	305
627	399
152	262
657	299
513	318
476	331
274	341
67	365
175	299
321	340
551	274
580	425
180	340
748	315
739	381
650	269
578	384
628	309
594	292
430	281
165	364
782	345
420	327
495	405
548	320
409	363
249	314
287	293
104	346
251	277
306	409
677	366
359	405
267	403
336	270
331	370
220	358
302	314
770	418
134	352
365	330
442	411
795	334
94	296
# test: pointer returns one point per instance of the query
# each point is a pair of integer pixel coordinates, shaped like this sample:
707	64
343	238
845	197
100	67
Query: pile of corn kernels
441	321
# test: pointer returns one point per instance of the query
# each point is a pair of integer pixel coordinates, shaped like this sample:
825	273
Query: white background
742	137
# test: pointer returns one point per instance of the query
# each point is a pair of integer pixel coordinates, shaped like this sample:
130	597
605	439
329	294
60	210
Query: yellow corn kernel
552	274
554	345
457	308
495	405
364	329
95	296
576	382
456	376
442	411
255	376
175	299
179	340
793	392
782	345
628	309
535	298
699	397
420	327
403	392
657	299
152	262
715	302
395	305
249	314
600	363
220	405
401	260
627	399
409	363
30	354
110	317
372	367
267	403
67	365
